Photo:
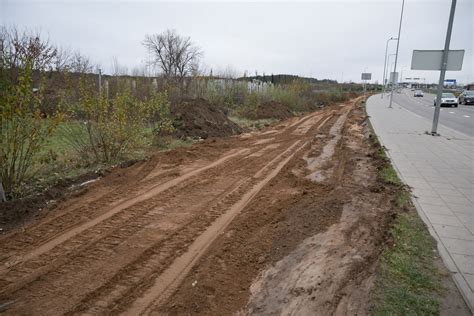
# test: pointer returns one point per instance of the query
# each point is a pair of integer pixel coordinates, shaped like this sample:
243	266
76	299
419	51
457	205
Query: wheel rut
116	254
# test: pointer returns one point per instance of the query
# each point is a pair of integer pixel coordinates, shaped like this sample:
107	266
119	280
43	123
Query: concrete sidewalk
441	172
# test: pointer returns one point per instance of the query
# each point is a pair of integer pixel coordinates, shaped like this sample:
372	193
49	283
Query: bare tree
80	63
118	69
63	59
228	73
176	56
20	47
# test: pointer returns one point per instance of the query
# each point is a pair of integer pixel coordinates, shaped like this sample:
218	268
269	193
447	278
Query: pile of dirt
273	110
198	118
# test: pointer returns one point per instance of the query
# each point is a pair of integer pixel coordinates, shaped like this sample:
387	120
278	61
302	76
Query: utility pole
385	64
396	54
444	63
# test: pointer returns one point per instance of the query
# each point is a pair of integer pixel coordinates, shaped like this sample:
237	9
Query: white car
447	99
418	93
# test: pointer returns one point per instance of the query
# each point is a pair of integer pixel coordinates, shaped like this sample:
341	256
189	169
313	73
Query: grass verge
408	279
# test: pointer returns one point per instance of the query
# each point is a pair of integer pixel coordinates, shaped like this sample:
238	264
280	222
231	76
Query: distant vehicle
466	97
418	93
447	99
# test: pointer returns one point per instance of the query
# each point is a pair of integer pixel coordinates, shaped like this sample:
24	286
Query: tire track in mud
21	275
118	298
129	278
171	277
80	250
109	196
332	272
55	258
49	228
249	236
89	245
121	281
72	230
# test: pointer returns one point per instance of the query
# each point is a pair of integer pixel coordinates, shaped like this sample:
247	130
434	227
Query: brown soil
21	211
273	110
198	118
228	225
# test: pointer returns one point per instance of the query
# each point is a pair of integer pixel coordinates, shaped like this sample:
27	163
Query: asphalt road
460	119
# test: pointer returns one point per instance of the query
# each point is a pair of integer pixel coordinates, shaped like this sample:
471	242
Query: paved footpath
440	171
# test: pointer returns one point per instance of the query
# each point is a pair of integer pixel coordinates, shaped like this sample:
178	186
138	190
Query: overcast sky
322	39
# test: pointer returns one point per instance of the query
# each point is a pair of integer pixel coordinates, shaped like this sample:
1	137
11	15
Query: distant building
469	86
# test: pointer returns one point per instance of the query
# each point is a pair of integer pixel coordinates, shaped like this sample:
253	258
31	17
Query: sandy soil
288	220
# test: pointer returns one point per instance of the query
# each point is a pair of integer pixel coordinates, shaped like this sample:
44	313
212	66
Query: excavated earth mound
273	110
198	118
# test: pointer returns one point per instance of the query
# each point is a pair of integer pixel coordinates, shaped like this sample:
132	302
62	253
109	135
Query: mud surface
227	225
18	212
198	118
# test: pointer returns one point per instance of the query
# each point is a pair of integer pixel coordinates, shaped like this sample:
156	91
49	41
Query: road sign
393	77
366	76
431	59
450	82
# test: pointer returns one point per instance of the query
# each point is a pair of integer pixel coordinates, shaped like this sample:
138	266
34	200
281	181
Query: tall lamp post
387	80
396	54
385	63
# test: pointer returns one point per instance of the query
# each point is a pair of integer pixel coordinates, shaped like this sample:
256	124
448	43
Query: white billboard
431	59
393	77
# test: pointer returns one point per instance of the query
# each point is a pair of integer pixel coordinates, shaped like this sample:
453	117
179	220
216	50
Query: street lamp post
396	54
388	70
385	63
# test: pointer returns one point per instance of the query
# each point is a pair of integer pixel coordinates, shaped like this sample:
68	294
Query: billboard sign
366	76
450	82
394	77
431	59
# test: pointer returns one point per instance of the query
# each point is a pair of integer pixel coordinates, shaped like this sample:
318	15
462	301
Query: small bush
105	130
23	127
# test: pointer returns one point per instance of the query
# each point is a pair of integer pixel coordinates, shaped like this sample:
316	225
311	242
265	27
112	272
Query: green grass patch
408	279
389	175
408	282
58	159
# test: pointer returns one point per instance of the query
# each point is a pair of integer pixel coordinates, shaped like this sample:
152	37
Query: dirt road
289	219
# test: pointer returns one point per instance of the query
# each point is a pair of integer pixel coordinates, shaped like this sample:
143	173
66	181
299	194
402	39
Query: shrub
105	130
23	129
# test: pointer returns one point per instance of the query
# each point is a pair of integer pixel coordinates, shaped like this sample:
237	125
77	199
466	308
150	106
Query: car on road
447	99
466	97
418	93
